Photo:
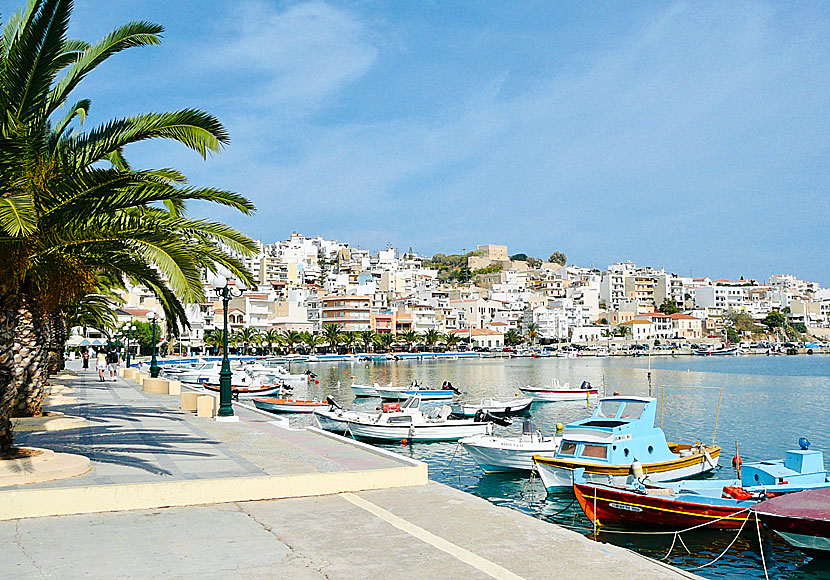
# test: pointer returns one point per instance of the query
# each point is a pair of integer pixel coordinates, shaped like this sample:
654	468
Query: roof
137	311
637	321
681	316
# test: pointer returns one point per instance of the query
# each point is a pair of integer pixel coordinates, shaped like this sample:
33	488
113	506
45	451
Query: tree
331	332
367	338
431	337
213	339
669	307
532	332
384	340
350	339
271	337
291	338
248	337
512	337
410	337
72	207
558	258
774	320
451	339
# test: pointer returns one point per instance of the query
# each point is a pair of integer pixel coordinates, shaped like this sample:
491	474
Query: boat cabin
620	430
800	467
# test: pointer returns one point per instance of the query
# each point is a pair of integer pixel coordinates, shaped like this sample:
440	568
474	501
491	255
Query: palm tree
350	339
512	337
367	338
410	337
431	337
271	337
331	332
314	341
214	339
532	332
71	206
384	340
451	339
291	338
248	336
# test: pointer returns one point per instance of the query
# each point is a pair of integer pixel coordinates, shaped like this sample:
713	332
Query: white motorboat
493	406
446	391
206	373
557	391
403	422
365	390
274	370
495	454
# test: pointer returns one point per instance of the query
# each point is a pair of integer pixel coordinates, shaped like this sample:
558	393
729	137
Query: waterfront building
350	313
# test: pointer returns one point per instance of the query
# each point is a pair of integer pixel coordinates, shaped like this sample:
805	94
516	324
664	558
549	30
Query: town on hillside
490	300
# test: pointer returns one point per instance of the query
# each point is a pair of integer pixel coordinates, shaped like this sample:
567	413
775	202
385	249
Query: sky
693	136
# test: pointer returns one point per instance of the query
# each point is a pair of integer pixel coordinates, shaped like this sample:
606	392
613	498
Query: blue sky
689	135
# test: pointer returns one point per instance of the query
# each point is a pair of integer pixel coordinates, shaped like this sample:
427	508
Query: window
609	408
567	448
633	410
595	451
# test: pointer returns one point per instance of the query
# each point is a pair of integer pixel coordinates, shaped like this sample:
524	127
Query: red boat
239	390
657	507
802	519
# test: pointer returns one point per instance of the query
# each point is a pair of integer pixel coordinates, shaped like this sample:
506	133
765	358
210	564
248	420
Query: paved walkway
423	532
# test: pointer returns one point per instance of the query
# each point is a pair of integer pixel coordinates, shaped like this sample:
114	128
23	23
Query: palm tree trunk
29	372
7	393
57	343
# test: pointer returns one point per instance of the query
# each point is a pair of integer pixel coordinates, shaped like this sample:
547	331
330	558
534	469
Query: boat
559	392
427	393
495	454
602	352
288	405
802	519
403	421
619	432
722	351
247	385
496	407
258	368
332	358
716	503
365	390
200	373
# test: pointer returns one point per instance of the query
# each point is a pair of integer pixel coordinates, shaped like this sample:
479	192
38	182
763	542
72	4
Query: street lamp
154	315
129	328
220	285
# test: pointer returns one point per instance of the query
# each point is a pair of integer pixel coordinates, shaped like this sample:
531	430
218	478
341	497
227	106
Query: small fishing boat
365	390
496	454
498	407
289	405
404	421
717	503
559	392
257	368
256	386
619	432
802	519
427	393
722	351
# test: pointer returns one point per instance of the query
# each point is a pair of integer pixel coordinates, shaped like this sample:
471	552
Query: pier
170	493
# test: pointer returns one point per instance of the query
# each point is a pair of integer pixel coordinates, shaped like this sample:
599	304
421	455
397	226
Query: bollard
157	386
174	388
189	399
206	406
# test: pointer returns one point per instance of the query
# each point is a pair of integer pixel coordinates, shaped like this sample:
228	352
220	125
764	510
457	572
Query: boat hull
289	405
558	473
437	432
426	395
246	391
514	407
364	391
612	507
561	394
499	454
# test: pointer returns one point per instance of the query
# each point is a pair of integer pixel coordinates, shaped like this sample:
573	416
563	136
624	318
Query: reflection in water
768	403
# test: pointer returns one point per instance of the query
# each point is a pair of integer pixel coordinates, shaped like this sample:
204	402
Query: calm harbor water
767	403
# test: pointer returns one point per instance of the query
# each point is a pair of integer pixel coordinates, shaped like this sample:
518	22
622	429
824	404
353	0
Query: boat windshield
633	410
567	448
609	408
595	451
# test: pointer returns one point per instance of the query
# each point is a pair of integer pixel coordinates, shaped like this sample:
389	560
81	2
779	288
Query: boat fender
559	427
637	470
735	492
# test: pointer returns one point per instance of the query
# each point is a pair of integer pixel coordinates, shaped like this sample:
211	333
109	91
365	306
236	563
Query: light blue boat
620	431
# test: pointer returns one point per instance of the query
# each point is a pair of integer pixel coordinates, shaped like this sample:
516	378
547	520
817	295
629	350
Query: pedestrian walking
85	356
101	365
113	361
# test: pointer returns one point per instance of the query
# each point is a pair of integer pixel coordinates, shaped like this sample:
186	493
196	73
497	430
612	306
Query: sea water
762	404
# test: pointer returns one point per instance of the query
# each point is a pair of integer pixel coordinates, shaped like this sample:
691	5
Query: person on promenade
85	356
113	361
101	365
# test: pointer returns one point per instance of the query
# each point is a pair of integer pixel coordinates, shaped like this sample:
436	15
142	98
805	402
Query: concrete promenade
256	500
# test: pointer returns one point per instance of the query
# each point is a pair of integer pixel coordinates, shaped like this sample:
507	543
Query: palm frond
17	215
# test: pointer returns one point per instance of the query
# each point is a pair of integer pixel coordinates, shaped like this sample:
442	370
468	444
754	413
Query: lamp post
129	328
153	315
220	285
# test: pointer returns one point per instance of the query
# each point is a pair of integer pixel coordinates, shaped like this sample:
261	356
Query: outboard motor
585	385
332	403
483	416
